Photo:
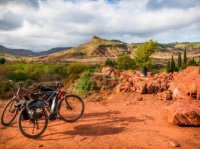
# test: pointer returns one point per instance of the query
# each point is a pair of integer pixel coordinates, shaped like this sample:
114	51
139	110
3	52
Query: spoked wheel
10	112
33	127
71	108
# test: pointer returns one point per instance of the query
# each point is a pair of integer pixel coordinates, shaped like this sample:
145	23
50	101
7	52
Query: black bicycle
33	118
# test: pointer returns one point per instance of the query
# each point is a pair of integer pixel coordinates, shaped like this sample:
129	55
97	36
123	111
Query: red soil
126	121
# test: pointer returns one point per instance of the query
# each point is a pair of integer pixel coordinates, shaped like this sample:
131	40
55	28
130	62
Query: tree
179	62
2	60
143	53
173	65
125	62
185	57
168	69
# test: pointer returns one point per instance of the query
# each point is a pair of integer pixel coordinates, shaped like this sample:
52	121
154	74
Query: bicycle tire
26	134
81	112
4	110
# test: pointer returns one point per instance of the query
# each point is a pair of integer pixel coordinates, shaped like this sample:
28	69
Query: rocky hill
96	47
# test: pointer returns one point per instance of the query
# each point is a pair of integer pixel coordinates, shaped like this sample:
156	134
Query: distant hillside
23	52
16	52
98	49
53	50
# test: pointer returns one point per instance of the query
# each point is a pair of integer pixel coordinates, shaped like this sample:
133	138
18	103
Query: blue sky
43	24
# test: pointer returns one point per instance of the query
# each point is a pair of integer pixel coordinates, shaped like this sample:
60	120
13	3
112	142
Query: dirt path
122	123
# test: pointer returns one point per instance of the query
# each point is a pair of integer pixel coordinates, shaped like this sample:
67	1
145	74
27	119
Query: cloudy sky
43	24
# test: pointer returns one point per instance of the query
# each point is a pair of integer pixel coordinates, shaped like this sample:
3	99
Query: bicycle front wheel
10	112
71	108
32	127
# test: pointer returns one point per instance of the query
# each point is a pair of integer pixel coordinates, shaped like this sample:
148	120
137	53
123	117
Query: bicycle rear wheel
33	127
10	112
71	108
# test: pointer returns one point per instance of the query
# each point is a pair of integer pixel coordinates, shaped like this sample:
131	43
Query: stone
166	95
184	112
142	87
174	144
139	98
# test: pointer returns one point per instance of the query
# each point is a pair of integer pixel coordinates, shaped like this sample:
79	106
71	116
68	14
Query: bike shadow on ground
95	124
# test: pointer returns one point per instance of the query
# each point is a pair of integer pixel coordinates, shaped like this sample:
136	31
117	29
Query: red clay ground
122	123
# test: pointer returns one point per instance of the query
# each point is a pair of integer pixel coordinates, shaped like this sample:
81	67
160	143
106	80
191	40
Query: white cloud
68	23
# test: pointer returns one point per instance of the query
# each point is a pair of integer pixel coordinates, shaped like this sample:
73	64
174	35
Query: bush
18	76
5	87
2	60
110	63
125	62
75	69
84	84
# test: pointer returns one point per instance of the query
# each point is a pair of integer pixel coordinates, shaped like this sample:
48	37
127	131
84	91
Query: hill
24	52
16	52
95	48
98	49
53	50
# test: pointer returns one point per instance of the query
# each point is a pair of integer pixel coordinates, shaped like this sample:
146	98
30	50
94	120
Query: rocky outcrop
132	81
184	112
187	82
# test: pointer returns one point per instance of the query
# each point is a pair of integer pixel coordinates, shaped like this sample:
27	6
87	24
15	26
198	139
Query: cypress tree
185	57
179	62
168	69
173	65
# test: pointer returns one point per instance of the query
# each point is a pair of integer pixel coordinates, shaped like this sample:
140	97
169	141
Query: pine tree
179	62
168	69
173	65
185	57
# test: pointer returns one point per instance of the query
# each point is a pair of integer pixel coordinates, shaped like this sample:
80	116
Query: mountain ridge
29	53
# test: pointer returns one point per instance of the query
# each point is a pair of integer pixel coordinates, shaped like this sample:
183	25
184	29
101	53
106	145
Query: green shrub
18	76
192	62
5	87
110	63
74	70
2	60
125	62
84	84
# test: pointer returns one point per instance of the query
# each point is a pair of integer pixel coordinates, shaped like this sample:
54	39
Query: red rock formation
184	112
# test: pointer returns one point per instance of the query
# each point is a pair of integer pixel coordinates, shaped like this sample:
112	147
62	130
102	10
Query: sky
44	24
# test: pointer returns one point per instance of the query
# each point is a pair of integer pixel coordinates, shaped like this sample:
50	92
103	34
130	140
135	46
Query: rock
163	86
40	145
142	87
189	75
166	95
140	98
174	144
184	112
150	88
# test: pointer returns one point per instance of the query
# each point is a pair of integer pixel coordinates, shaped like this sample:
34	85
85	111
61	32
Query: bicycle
14	104
56	102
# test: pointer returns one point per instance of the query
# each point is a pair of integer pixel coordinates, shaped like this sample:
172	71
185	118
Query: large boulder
184	112
187	82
